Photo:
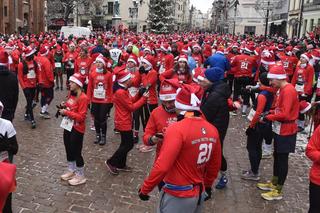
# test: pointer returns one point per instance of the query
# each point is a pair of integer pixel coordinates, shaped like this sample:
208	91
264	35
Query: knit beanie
214	74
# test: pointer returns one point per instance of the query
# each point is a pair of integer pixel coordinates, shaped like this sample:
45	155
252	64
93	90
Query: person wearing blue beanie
214	106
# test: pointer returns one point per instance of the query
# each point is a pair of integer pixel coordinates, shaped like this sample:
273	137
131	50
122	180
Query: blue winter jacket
218	60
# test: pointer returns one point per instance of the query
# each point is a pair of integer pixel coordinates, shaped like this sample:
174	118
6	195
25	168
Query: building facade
21	16
310	16
279	17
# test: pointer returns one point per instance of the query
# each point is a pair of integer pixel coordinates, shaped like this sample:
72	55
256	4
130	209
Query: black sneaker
103	140
33	124
27	117
113	170
45	115
97	140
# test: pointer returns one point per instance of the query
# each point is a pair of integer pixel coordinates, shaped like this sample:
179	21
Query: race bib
276	125
82	71
31	74
133	91
57	65
99	93
251	114
4	156
67	123
299	88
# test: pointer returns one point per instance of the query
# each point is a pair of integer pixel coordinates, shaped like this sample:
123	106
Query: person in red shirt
303	82
180	71
189	161
161	117
27	76
69	60
230	73
284	127
45	81
244	65
289	62
100	95
313	153
82	65
74	112
167	59
124	106
197	55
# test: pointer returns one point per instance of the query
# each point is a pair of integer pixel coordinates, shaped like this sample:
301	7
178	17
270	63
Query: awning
277	22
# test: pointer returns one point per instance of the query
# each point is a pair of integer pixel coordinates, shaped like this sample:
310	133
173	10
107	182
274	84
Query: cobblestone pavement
41	160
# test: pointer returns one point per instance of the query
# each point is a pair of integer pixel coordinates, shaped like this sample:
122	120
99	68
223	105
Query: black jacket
215	107
9	92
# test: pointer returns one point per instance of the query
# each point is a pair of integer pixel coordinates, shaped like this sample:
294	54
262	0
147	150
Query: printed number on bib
67	123
31	74
251	114
205	153
299	88
57	65
99	93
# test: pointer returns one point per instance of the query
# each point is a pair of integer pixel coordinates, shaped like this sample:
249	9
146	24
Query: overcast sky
202	5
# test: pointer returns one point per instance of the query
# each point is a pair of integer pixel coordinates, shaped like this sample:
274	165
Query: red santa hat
220	50
165	47
9	46
123	76
267	57
288	50
101	59
77	79
183	58
188	97
315	54
44	50
168	89
306	56
149	60
249	48
304	106
59	49
4	58
133	59
147	48
196	45
198	74
29	51
280	47
277	71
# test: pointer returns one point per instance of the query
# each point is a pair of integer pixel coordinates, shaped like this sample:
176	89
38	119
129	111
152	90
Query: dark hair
263	77
176	68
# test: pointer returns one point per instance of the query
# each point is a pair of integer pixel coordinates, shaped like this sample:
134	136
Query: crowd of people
167	84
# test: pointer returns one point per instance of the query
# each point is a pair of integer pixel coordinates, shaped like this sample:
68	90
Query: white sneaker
68	175
77	180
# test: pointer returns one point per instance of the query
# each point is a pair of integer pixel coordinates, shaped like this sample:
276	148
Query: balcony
315	5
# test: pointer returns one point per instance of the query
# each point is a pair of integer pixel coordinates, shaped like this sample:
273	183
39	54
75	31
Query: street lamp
236	3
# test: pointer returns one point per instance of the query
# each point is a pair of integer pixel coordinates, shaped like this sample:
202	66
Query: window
305	26
5	12
311	25
110	8
250	30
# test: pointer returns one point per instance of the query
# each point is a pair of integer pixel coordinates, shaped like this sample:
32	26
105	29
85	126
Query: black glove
209	193
142	90
143	196
249	131
142	70
263	117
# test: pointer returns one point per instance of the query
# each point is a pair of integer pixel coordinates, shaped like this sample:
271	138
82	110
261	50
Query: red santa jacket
166	62
100	87
171	74
158	123
230	57
306	75
313	153
286	111
190	157
124	106
69	59
82	66
15	58
289	63
45	72
151	80
77	110
7	181
135	83
198	58
244	65
29	79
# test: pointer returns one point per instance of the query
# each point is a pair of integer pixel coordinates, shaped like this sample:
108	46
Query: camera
58	108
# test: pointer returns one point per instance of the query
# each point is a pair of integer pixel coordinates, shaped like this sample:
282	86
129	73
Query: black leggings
230	78
69	74
100	111
8	205
224	165
73	142
239	86
46	96
119	158
280	166
314	195
143	113
29	94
